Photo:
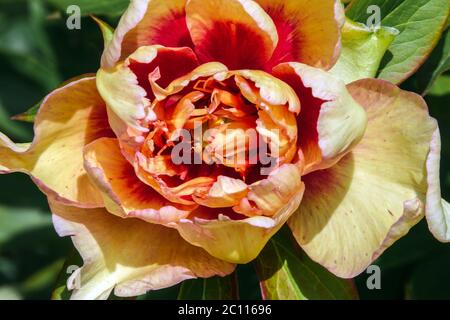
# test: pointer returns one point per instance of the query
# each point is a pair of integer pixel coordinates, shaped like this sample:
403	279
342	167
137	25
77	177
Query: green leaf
437	64
362	51
29	52
286	273
441	87
100	7
420	22
215	288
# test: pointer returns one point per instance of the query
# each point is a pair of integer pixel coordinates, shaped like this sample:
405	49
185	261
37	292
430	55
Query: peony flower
210	125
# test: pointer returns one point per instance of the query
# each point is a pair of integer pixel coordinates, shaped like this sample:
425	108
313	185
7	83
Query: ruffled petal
331	122
237	33
437	209
124	194
128	87
146	23
353	211
240	241
68	119
309	31
129	255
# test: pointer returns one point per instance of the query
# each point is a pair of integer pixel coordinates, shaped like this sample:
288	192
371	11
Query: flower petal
129	255
225	192
437	209
265	89
127	90
145	23
331	122
309	31
353	211
124	194
240	241
68	119
237	33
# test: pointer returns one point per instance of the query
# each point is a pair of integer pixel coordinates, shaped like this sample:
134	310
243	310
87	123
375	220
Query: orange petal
124	194
129	255
267	196
225	192
127	90
237	33
68	119
309	31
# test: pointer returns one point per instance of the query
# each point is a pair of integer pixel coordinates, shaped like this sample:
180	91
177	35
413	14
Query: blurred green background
38	52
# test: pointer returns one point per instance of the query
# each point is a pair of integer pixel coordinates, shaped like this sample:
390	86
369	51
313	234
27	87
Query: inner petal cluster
213	140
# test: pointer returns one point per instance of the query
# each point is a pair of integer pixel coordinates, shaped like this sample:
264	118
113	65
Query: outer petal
68	119
353	211
237	33
437	209
124	194
331	122
240	241
129	254
309	31
145	23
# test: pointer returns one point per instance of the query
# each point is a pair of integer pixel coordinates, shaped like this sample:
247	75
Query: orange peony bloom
210	125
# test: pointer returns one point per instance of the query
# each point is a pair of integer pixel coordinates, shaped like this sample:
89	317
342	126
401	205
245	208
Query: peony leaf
362	50
215	288
436	65
100	7
420	22
286	273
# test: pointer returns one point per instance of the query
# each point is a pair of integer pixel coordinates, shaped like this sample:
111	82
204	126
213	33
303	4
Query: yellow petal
225	192
124	194
353	211
309	31
129	255
237	33
68	119
240	241
331	122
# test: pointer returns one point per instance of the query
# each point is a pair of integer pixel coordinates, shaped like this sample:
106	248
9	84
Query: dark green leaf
420	23
24	43
286	273
437	64
215	288
100	7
